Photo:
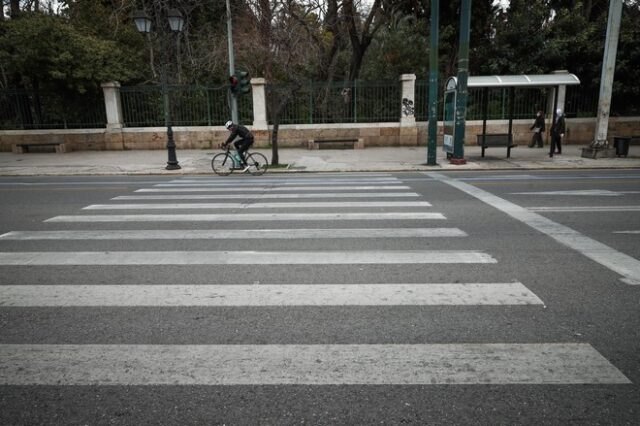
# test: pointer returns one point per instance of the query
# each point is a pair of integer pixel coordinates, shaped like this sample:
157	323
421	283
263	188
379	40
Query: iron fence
579	102
335	102
303	103
29	109
143	106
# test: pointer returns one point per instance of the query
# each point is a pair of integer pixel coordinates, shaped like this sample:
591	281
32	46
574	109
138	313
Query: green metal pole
232	66
433	85
463	76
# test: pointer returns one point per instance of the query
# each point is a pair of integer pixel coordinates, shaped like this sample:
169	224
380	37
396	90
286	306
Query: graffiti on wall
407	107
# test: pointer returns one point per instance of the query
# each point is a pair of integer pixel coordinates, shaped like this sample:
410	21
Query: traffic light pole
232	68
606	76
463	76
433	85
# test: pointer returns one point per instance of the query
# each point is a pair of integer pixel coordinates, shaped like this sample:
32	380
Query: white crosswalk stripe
565	363
276	364
281	205
209	234
244	257
261	196
270	295
319	182
248	217
278	188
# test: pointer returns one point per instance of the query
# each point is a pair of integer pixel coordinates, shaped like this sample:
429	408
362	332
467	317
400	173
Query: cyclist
241	145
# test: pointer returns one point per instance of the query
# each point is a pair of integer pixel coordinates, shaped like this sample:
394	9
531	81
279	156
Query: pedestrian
557	133
241	145
538	129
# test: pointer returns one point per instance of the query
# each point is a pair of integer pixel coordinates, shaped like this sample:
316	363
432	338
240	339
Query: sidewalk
302	160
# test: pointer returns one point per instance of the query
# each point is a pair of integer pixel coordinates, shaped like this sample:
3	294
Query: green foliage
46	52
400	48
93	41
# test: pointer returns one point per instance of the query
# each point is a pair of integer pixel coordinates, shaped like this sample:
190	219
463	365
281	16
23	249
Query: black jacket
238	130
558	127
538	123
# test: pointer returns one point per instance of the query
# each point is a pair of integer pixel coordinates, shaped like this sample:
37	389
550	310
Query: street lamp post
176	23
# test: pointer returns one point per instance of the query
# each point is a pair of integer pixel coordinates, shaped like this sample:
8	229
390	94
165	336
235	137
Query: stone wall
579	131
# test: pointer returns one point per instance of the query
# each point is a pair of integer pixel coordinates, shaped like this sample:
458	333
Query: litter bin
621	145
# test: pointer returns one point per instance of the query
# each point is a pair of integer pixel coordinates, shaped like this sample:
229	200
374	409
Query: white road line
584	192
626	232
244	257
612	259
235	234
268	295
581	177
230	188
403	364
261	196
282	205
585	209
247	217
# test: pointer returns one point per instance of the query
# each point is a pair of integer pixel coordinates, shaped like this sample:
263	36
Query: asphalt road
520	304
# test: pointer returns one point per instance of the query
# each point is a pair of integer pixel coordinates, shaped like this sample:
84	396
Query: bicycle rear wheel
257	163
222	164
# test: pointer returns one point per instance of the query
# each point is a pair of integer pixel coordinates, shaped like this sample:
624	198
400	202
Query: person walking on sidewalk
557	133
241	145
538	129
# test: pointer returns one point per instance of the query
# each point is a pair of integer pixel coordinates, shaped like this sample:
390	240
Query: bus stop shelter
511	82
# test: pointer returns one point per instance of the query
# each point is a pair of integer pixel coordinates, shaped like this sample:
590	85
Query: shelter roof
534	80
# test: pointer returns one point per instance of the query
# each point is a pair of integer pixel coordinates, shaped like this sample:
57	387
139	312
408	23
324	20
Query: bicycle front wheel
222	164
257	163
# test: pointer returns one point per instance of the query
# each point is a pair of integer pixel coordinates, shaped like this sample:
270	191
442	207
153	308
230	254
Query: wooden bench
23	147
355	143
495	140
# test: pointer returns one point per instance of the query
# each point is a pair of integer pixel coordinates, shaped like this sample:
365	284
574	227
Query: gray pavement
302	160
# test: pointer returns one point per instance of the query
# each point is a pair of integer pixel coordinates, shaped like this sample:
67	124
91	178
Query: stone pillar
113	105
259	104
407	108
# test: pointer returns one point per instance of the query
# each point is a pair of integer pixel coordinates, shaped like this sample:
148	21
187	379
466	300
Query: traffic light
233	84
240	83
244	82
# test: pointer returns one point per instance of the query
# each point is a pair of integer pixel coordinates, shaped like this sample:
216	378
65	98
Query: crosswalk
272	213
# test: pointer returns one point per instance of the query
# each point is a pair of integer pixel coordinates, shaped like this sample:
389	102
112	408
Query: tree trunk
275	160
360	42
14	8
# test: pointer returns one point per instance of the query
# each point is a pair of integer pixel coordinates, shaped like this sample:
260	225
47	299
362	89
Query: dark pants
242	146
556	141
537	138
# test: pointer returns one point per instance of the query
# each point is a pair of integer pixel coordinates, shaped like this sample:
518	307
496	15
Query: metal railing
28	110
143	106
336	102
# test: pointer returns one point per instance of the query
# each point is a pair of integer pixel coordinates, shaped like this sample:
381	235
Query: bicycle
224	163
